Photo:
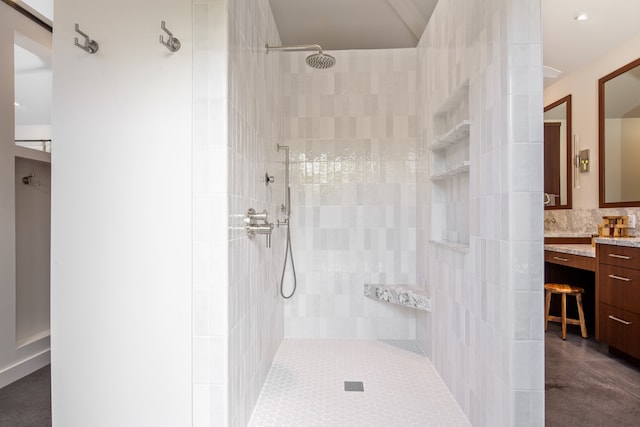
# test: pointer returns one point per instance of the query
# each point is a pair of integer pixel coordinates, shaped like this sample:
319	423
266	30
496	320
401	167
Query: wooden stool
564	290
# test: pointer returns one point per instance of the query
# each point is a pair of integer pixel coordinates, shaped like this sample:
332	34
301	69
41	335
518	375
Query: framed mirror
557	154
619	136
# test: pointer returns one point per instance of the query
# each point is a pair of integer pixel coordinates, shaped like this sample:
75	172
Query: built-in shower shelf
458	133
453	171
405	295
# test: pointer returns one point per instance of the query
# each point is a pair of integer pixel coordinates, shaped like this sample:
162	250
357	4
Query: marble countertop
633	242
573	249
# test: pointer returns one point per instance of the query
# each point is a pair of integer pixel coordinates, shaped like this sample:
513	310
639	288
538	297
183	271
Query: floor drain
353	386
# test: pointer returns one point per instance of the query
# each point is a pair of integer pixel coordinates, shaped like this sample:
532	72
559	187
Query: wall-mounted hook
28	180
89	45
173	44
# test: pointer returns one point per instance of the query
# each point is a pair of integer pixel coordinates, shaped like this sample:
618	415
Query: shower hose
288	252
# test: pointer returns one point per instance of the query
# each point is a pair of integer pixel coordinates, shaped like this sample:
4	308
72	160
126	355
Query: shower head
319	61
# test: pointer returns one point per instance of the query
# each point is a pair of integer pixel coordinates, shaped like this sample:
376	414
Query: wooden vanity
610	275
618	283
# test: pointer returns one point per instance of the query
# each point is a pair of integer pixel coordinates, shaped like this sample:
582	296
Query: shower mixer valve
254	227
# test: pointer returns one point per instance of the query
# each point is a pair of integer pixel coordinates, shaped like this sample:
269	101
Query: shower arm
301	47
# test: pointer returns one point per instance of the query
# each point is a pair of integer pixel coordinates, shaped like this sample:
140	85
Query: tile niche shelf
455	135
458	169
449	175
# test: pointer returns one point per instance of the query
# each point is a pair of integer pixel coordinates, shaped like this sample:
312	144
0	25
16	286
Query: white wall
351	131
122	216
14	362
583	87
211	223
485	334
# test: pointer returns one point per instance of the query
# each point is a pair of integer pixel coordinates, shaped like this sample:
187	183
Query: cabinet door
622	329
621	256
620	287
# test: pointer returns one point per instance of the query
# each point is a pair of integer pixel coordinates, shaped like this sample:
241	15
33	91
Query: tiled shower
362	203
351	130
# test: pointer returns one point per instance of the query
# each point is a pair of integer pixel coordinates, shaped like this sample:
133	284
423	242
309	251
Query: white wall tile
488	301
342	200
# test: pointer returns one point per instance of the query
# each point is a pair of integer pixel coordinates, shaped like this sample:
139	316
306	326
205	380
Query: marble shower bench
405	295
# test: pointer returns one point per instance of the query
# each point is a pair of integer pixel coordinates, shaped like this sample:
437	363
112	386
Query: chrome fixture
89	45
319	61
173	44
28	180
550	199
268	179
254	227
286	209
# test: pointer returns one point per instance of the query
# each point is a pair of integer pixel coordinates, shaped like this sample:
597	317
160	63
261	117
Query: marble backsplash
584	221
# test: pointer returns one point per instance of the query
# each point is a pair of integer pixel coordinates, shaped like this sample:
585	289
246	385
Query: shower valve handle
253	227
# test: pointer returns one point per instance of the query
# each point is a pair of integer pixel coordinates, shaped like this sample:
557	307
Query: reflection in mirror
619	149
557	154
33	94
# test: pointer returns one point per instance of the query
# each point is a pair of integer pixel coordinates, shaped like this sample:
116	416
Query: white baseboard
24	367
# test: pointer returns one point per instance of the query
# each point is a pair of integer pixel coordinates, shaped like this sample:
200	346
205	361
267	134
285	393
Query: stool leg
564	316
583	327
546	310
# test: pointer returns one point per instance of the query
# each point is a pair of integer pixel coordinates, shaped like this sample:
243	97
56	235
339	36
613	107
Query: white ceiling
352	24
569	44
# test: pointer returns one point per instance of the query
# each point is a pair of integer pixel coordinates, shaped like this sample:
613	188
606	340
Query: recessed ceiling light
581	17
15	104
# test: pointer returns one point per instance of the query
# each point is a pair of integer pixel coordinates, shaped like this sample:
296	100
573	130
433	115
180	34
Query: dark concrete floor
27	402
585	386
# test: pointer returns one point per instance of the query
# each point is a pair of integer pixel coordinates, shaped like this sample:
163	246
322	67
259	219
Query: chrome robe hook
173	44
89	45
28	180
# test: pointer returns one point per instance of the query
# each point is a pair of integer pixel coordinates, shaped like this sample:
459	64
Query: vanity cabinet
619	297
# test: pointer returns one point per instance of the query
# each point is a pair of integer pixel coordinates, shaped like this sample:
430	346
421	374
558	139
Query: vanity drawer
621	329
570	260
621	256
620	287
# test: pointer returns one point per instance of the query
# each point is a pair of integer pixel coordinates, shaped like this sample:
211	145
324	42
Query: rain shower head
319	61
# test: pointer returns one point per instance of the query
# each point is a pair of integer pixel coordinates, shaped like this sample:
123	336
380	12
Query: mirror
557	154
619	134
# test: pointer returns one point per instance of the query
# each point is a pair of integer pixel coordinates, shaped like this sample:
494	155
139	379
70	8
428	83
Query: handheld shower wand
287	220
286	208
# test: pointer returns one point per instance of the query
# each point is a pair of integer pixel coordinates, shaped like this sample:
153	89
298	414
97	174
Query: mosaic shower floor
306	386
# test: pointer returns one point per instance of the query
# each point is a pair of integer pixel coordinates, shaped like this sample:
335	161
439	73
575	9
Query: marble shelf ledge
408	296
